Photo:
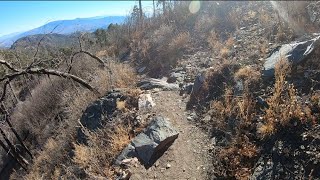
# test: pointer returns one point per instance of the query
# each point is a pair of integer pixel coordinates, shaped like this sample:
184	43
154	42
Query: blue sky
17	16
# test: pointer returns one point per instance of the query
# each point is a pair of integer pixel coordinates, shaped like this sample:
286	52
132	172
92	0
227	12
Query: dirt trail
188	156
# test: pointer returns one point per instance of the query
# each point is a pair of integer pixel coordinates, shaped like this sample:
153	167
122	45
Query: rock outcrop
98	113
295	52
152	83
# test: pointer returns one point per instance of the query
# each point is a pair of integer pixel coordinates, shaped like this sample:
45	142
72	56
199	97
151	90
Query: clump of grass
96	160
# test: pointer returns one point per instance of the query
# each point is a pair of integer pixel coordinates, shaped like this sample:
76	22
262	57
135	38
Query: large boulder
98	113
152	83
295	52
149	145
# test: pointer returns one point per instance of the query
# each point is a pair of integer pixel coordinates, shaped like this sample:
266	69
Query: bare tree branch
37	50
87	53
4	91
12	148
62	74
40	71
8	65
10	153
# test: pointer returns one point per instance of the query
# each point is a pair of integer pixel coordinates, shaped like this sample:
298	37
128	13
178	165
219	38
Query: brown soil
188	156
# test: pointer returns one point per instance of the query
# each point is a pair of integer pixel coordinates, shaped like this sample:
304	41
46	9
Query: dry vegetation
247	125
50	118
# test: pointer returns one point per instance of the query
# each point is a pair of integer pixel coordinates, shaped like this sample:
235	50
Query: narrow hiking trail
188	157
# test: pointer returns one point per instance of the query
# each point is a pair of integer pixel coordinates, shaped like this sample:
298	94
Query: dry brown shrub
123	75
224	52
162	35
180	41
96	159
284	105
239	157
47	163
204	24
214	40
248	74
39	113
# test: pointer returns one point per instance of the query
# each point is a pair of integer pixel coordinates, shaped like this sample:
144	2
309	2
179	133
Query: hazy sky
17	16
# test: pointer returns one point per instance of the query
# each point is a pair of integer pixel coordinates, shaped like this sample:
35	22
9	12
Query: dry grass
224	52
180	41
214	40
247	73
96	159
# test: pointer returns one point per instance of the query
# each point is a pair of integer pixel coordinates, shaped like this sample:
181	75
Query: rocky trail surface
187	157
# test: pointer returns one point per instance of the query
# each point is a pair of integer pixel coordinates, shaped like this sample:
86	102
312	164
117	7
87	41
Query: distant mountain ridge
64	27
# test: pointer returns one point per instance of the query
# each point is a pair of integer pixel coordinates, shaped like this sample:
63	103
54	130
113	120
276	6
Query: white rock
145	102
168	166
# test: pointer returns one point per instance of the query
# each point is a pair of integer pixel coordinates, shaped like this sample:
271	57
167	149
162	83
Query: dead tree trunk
12	149
11	154
6	118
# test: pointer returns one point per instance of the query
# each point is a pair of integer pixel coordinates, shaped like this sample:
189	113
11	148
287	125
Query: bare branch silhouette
8	65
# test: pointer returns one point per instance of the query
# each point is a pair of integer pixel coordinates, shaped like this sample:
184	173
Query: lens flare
194	6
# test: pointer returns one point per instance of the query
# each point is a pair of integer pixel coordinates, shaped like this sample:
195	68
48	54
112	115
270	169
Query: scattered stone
124	175
168	166
176	77
207	119
186	89
157	164
264	170
129	161
313	10
145	102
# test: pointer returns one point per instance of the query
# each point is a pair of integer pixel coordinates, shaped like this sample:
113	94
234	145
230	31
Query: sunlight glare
194	6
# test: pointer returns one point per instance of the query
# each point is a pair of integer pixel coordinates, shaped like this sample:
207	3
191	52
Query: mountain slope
64	27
